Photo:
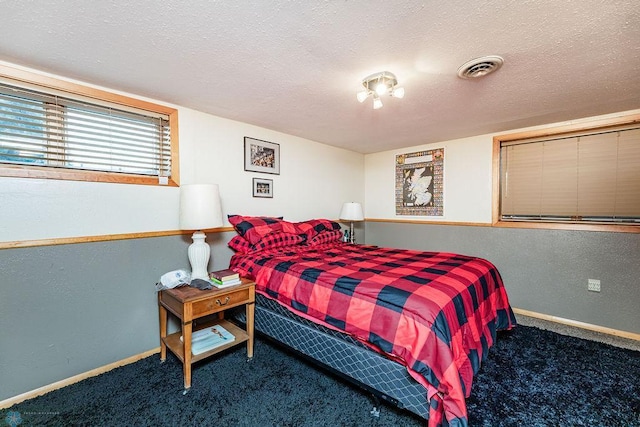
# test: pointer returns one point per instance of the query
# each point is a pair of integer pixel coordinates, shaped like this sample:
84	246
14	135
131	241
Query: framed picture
420	183
262	187
261	156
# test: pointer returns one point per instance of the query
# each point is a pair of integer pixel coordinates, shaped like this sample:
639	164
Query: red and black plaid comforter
437	313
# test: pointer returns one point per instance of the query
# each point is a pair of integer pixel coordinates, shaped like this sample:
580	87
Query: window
589	176
46	132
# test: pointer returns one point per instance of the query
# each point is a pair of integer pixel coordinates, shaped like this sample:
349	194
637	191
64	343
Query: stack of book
224	278
210	338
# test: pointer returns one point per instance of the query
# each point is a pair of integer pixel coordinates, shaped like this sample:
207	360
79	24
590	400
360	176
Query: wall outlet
593	285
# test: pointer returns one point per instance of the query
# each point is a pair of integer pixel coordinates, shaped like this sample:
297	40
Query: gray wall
68	309
545	271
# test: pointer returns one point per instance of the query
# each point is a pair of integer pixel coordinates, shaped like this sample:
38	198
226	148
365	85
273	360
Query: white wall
468	176
32	209
315	179
467	181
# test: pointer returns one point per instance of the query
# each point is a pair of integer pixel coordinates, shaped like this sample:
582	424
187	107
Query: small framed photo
262	187
261	156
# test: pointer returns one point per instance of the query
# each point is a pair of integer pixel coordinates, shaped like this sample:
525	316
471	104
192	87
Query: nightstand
189	304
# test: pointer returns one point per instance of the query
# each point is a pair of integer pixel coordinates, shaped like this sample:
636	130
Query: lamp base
199	255
352	237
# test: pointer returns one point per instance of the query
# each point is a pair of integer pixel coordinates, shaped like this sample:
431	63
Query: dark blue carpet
531	378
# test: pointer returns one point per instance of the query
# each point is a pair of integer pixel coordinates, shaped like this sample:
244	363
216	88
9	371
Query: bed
412	327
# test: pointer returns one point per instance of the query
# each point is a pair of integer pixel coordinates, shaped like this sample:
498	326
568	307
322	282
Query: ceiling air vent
480	67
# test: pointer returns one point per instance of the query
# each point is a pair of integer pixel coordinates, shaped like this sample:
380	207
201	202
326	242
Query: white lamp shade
352	211
200	207
398	92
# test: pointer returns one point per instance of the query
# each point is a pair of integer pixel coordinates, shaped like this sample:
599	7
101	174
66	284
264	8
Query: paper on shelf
209	338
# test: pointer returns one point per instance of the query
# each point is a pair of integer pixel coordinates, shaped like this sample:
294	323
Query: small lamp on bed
351	211
200	209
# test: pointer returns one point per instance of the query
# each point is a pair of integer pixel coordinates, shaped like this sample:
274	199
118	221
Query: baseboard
76	378
577	324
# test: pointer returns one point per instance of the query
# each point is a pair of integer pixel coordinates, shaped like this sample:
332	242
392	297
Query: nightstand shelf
175	344
189	304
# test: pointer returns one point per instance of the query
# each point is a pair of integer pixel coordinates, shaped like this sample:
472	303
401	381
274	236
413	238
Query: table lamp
351	211
200	209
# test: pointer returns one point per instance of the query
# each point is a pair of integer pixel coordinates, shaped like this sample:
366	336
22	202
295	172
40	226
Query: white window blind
586	178
46	129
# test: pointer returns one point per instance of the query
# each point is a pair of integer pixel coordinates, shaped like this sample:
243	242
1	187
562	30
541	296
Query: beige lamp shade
200	207
352	211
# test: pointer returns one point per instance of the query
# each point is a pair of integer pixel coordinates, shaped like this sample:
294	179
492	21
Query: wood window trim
564	130
43	172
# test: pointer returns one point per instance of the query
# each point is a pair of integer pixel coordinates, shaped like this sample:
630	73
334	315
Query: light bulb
362	95
377	103
398	92
381	89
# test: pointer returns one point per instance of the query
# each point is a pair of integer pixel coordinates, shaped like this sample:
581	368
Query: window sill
611	228
80	175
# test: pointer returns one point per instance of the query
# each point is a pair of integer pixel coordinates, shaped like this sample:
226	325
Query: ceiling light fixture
379	84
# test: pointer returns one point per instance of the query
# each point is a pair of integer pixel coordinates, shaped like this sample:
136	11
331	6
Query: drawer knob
226	301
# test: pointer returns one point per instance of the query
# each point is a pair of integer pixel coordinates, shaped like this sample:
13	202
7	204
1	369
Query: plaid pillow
240	244
279	240
314	227
326	237
246	226
255	228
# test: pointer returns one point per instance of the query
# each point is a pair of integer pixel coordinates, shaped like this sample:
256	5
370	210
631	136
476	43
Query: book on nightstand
224	278
224	275
209	338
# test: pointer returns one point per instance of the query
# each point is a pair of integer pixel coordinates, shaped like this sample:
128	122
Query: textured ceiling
295	66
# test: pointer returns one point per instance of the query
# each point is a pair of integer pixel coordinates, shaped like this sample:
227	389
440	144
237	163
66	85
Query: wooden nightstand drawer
222	301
